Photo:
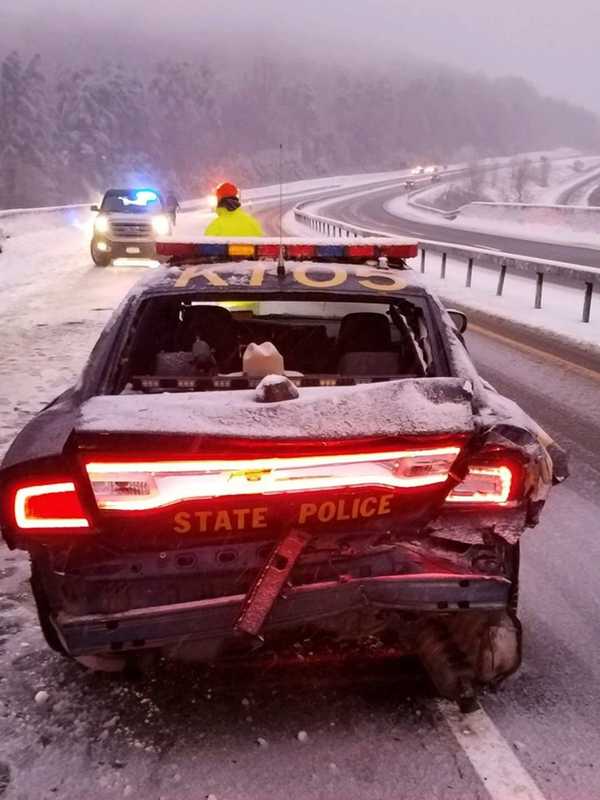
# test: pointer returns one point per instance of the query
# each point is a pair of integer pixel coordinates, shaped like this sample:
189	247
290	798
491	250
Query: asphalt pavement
369	211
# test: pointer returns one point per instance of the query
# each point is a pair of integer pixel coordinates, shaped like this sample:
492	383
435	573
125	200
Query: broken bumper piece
215	618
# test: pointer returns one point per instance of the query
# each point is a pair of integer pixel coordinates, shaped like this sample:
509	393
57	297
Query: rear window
185	343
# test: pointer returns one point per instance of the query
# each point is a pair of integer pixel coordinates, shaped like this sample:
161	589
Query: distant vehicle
436	178
409	185
127	225
418	170
261	448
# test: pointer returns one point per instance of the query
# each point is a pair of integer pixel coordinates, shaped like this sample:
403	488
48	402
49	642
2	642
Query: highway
373	731
369	212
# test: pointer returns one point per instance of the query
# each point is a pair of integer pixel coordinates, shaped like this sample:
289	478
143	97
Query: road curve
369	211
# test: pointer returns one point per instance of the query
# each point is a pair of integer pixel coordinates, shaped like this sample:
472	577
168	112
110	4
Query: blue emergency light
140	198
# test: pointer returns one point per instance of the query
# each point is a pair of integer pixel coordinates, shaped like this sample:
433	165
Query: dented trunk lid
232	429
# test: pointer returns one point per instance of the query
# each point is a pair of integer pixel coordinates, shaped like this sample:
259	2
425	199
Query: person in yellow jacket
231	219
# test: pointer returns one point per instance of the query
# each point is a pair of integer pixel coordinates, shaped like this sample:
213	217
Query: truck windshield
132	201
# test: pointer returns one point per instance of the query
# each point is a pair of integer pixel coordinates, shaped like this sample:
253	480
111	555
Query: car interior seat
364	346
213	325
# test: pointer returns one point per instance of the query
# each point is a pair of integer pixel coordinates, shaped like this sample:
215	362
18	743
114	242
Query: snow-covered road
373	733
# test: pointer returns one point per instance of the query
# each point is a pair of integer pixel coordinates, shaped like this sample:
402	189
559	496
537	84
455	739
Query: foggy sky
554	44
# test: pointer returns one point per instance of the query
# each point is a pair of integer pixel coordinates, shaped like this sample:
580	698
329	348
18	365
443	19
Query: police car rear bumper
215	618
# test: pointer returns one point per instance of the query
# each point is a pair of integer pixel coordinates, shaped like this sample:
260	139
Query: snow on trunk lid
404	407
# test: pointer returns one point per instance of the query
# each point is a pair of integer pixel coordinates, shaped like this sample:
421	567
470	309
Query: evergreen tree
25	168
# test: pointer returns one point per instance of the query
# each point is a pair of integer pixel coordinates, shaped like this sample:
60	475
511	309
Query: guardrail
21	212
592	175
586	278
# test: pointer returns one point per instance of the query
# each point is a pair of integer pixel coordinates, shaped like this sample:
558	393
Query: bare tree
545	169
493	174
476	177
520	178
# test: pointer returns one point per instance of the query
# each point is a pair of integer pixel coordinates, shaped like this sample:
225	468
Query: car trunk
195	490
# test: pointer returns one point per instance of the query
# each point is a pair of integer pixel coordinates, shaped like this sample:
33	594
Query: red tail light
485	484
496	477
49	505
141	486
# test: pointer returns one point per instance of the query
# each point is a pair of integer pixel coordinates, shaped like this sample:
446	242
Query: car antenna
281	260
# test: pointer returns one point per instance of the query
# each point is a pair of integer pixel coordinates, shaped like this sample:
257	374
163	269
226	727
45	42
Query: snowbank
573	224
576	225
496	183
559	319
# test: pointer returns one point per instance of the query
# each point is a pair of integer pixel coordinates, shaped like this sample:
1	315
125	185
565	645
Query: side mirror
94	208
459	319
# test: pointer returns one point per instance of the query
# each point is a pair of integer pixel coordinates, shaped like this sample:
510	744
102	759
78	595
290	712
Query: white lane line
492	758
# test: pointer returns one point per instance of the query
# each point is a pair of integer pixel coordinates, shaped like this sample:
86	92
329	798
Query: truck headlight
101	224
161	225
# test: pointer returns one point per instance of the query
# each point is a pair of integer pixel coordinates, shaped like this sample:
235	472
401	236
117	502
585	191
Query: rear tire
99	259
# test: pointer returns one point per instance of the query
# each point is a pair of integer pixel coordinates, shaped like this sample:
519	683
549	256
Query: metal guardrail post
539	287
469	273
443	267
501	279
422	259
587	302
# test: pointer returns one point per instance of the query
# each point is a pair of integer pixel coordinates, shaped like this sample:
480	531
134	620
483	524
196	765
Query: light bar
49	505
361	249
132	486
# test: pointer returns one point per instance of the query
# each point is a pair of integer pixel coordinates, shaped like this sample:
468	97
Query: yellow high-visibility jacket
234	223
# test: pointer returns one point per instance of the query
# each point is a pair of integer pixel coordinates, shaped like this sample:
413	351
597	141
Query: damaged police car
272	438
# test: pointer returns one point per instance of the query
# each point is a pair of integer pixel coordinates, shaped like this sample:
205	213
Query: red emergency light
361	251
400	251
300	251
268	251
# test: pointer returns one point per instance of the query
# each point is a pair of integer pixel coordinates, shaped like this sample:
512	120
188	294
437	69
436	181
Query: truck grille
132	230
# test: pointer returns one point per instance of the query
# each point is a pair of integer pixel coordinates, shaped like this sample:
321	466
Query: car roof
301	277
